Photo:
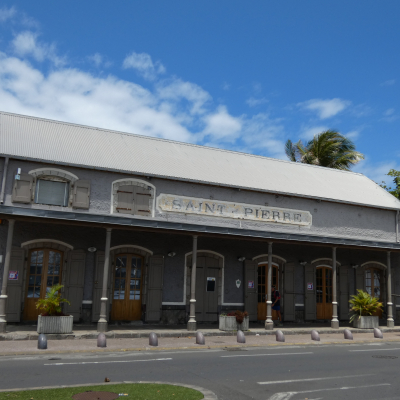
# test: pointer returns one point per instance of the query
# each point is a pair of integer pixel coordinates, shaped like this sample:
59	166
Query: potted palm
51	318
364	306
234	321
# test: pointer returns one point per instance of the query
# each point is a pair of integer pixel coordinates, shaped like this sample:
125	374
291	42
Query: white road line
262	355
377	349
312	379
109	362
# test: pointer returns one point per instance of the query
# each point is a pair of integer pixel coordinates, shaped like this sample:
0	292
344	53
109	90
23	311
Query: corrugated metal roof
70	144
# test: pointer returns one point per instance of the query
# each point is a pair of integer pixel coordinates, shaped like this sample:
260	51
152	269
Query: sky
238	75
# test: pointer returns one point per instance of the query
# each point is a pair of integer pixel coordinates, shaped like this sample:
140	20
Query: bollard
280	337
378	333
42	342
315	335
200	338
347	334
153	339
240	337
101	340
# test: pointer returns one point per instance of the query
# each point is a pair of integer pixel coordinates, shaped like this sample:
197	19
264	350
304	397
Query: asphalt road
362	371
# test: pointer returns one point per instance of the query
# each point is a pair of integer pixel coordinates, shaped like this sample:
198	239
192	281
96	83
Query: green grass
135	391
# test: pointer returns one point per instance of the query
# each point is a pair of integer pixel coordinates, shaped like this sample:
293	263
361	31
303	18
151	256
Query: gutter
3	181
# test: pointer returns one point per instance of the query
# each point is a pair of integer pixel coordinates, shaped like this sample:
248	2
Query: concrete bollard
280	337
101	340
315	335
42	342
200	338
240	337
378	333
153	339
347	334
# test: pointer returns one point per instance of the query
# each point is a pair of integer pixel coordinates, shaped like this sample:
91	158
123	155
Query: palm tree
327	149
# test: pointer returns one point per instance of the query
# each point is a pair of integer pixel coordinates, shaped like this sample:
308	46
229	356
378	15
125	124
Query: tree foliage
363	304
395	191
327	149
51	304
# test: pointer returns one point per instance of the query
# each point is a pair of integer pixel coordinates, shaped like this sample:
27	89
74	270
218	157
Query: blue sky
238	75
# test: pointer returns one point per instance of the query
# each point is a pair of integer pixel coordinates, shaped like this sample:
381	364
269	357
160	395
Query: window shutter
250	294
155	288
22	190
125	199
81	194
142	198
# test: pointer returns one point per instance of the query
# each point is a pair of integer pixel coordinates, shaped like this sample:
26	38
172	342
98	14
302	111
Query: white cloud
376	172
7	13
226	86
253	102
97	59
325	108
222	125
390	115
308	132
389	82
352	134
144	65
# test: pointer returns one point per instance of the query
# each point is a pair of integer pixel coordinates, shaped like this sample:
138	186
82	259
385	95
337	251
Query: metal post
191	325
3	297
269	324
102	324
335	321
390	320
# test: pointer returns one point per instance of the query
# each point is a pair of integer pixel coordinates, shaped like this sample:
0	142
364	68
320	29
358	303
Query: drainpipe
397	226
3	181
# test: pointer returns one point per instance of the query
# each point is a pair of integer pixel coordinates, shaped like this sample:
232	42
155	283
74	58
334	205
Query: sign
225	209
238	282
250	284
210	284
310	286
13	275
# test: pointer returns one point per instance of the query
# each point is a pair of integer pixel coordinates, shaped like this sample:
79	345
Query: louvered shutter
310	305
81	194
289	293
22	190
154	288
343	293
360	278
250	293
14	287
125	199
142	199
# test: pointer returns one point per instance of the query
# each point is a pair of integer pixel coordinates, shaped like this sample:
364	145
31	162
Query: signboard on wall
13	275
225	209
250	284
310	286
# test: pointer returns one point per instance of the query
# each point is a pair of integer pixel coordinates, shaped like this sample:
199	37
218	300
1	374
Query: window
52	193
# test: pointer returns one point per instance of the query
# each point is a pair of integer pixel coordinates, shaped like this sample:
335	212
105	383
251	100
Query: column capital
108	229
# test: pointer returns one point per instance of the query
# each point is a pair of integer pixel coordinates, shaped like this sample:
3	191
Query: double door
324	293
374	286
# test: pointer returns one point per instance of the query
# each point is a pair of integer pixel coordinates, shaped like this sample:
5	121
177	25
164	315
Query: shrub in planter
234	320
364	306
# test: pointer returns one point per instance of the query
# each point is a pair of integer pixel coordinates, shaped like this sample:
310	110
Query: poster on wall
310	286
250	284
13	275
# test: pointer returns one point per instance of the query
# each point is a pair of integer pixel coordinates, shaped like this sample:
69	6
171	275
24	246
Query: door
44	271
373	280
127	288
262	291
250	289
324	293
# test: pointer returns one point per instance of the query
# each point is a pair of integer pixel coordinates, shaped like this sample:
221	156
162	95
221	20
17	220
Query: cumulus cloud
143	64
7	13
308	132
221	125
325	108
389	82
254	102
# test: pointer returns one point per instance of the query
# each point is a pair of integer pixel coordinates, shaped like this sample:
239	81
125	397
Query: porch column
191	325
269	324
102	325
3	297
390	320
335	321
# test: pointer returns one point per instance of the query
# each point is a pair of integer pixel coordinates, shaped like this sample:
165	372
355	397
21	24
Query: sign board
13	275
250	284
210	284
225	209
310	286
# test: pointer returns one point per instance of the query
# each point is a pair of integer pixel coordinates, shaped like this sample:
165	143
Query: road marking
272	354
109	362
312	379
289	395
377	349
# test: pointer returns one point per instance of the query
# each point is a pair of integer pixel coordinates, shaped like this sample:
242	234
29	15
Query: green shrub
51	304
363	304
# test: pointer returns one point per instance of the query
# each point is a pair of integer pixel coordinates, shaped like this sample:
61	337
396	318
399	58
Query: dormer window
53	193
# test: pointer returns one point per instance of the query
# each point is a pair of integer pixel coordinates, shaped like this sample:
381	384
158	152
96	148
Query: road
354	371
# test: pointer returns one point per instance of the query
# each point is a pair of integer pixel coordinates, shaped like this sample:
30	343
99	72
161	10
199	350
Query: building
123	221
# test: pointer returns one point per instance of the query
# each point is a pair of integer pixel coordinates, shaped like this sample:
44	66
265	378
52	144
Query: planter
230	324
366	322
55	324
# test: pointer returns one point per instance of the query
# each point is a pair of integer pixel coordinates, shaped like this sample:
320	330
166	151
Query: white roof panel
65	143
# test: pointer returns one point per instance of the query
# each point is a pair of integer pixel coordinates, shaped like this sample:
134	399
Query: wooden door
373	285
262	291
127	288
324	293
44	271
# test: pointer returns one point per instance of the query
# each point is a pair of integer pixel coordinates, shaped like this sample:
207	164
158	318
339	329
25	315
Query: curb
208	394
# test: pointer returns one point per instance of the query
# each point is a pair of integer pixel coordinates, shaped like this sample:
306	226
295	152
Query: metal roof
69	144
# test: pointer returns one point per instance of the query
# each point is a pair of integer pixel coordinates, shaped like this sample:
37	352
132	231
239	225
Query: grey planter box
230	324
366	322
55	324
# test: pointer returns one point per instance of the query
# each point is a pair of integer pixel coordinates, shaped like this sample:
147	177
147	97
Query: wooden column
102	324
335	321
3	297
269	324
191	325
390	320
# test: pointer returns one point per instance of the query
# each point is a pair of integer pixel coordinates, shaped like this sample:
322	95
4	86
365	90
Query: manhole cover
234	349
389	357
95	396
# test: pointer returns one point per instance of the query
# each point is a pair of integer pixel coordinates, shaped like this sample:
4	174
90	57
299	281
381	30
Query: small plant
51	304
240	315
363	304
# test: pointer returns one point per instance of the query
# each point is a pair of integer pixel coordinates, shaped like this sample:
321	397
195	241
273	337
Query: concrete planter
55	324
230	324
366	322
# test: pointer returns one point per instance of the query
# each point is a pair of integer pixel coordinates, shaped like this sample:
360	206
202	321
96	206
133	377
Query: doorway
373	279
262	291
324	293
44	271
127	288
